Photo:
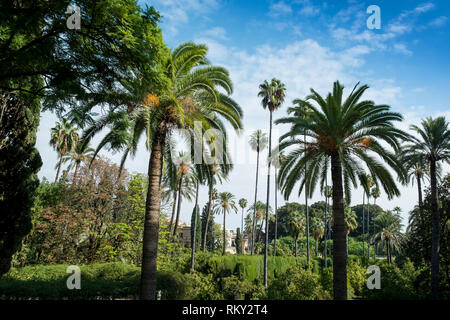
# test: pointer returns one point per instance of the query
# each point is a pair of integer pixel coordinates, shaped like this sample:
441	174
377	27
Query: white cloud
279	8
439	22
178	12
401	48
217	32
310	10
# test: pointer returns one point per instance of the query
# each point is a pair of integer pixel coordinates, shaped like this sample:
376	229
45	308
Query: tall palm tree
350	222
272	95
225	205
296	226
64	139
258	142
277	159
317	230
184	168
328	191
81	153
191	96
349	132
243	205
367	182
389	226
260	209
214	174
375	193
434	143
304	114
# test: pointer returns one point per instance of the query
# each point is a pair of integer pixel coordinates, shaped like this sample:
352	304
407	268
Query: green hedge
98	281
251	268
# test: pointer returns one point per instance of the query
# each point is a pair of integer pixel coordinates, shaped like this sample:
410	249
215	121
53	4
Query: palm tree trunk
179	206
174	206
419	189
242	223
307	216
436	233
208	214
59	167
389	252
266	242
368	228
325	221
339	233
252	249
224	232
296	246
194	240
151	222
315	247
75	174
276	216
363	226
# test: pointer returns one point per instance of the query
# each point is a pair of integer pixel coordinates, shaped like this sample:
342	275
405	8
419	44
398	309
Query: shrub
297	283
201	287
396	283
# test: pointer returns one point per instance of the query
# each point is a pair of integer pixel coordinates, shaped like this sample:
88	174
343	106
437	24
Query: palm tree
272	95
63	138
192	96
214	174
328	191
81	153
260	209
375	195
317	230
243	205
390	227
184	168
225	205
277	159
349	132
258	142
434	144
304	114
367	183
296	226
350	222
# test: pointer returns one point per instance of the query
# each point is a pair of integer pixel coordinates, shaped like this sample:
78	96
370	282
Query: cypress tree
19	163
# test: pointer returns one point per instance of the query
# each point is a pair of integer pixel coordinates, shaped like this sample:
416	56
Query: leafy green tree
272	95
19	165
198	233
258	142
433	143
112	59
343	131
238	241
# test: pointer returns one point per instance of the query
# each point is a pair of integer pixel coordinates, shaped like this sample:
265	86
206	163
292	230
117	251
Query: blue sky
310	44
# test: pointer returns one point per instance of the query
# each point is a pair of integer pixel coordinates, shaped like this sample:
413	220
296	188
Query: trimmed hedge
251	268
98	281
